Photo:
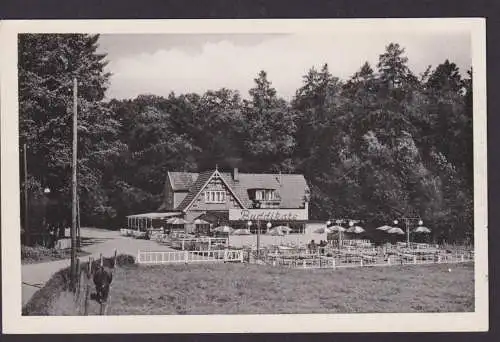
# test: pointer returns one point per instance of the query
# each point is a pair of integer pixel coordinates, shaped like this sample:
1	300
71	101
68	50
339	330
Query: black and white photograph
212	171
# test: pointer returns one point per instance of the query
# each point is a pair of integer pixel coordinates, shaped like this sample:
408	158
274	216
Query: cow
102	280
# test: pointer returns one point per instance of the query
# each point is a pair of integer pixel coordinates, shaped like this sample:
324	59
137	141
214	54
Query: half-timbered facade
233	198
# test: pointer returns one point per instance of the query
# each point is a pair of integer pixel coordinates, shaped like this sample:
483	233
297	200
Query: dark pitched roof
292	189
181	181
195	188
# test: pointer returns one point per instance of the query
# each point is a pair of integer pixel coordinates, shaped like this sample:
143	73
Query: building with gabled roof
234	198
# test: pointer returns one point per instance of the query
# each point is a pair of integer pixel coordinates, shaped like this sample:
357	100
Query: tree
269	128
47	65
393	67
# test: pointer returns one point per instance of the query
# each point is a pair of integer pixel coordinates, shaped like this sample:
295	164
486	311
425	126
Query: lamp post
339	222
46	193
249	223
407	221
328	223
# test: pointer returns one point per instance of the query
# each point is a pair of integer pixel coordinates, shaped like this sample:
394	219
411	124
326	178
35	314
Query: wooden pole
78	282
87	287
74	184
258	239
27	232
78	235
407	233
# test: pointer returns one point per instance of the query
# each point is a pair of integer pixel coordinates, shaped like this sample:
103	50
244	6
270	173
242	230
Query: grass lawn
254	289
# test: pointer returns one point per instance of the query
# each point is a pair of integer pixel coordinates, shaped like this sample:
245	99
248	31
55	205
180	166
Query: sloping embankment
41	302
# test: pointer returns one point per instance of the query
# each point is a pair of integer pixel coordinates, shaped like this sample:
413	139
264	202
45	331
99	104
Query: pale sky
161	63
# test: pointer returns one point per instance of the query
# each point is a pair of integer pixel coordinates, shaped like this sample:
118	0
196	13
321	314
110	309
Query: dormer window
266	195
215	196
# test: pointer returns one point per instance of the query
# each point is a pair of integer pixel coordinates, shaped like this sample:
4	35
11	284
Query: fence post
182	245
241	256
388	260
225	255
361	262
186	257
115	257
462	257
414	259
139	256
87	287
333	263
439	259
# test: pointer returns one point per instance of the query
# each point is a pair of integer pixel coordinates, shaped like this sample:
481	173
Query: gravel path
95	241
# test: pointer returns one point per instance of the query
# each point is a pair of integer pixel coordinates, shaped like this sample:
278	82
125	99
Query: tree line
382	144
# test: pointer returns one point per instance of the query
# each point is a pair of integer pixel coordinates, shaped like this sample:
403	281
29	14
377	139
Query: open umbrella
323	230
241	232
176	220
337	229
395	230
223	229
284	229
200	221
384	228
422	229
275	231
355	229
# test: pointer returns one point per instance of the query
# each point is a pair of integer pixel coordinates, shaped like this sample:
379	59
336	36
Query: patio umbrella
323	230
422	230
355	229
337	229
395	230
223	229
384	228
284	229
241	232
200	221
275	231
176	220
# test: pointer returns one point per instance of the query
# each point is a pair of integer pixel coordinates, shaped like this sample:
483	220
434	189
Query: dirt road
94	241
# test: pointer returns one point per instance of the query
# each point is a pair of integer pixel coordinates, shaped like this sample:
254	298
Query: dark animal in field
102	280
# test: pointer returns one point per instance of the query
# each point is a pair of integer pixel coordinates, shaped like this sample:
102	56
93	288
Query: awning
155	215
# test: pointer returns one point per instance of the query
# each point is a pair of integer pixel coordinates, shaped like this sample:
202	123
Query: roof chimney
236	175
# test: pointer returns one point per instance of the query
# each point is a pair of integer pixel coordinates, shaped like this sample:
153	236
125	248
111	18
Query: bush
40	253
41	302
37	253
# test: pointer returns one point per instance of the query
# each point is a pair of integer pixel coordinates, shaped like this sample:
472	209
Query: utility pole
78	235
27	233
258	239
74	184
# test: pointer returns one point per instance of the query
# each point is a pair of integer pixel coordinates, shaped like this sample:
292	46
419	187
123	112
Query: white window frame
215	196
265	195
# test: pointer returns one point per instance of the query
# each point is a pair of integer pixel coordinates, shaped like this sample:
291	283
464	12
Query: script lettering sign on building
268	215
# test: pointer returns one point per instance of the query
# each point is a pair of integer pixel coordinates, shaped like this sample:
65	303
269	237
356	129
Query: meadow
258	289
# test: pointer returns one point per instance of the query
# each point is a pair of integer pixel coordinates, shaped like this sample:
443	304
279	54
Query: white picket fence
187	257
360	261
